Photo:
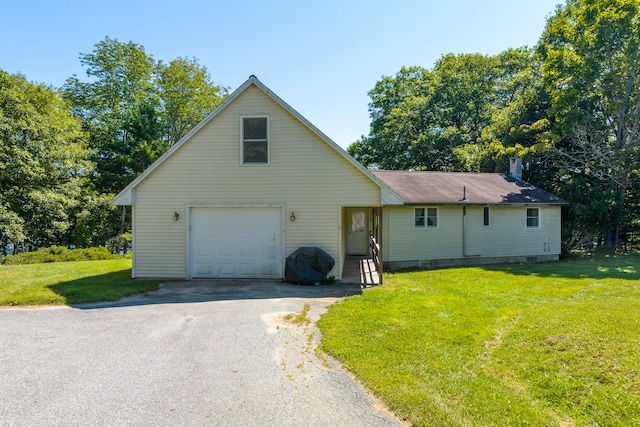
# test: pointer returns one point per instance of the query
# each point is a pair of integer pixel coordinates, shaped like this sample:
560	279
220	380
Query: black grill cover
308	265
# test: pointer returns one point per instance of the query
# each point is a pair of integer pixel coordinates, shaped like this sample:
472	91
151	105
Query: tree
426	119
121	87
43	163
132	109
135	108
519	125
187	96
591	66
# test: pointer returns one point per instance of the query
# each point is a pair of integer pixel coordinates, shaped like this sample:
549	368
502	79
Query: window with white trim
533	217
255	140
486	216
426	217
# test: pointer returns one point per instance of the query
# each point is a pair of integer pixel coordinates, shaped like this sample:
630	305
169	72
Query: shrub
58	254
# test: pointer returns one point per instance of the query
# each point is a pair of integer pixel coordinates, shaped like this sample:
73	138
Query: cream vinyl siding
507	235
403	241
305	175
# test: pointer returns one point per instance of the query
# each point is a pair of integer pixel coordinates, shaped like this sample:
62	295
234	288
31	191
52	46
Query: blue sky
321	57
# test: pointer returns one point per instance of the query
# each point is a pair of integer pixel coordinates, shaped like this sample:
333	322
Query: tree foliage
187	95
570	108
120	88
433	119
44	163
590	54
64	154
134	108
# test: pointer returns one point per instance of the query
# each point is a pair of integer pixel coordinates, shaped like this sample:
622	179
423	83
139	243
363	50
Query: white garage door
236	243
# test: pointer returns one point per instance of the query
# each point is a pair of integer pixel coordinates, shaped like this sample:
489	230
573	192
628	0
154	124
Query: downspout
464	231
464	234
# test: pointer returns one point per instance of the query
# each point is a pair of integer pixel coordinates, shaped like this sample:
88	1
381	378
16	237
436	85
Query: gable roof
450	188
127	196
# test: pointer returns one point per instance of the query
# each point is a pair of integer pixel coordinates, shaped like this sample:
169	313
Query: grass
69	282
536	345
301	318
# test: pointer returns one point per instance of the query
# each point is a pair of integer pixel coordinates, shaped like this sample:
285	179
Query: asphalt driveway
191	354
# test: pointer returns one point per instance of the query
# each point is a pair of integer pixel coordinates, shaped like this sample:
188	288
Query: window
426	217
255	140
533	217
486	216
419	217
432	217
357	221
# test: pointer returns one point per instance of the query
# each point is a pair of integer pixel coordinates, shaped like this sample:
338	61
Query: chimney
515	167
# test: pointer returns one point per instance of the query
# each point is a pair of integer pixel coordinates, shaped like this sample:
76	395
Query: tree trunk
611	239
123	219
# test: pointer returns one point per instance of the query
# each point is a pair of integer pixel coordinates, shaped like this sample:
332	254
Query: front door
357	234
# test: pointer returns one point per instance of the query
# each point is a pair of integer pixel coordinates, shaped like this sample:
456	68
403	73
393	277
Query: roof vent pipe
515	167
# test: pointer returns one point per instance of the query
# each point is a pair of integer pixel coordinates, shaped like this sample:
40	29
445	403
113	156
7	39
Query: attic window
255	140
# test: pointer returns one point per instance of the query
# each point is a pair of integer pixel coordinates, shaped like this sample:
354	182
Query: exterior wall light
176	216
292	217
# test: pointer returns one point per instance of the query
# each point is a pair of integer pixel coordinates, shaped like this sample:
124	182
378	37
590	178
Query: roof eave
484	204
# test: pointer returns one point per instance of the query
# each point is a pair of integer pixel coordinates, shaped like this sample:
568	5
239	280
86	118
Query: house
455	218
255	180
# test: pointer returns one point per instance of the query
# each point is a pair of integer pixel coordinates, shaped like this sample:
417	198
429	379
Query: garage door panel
247	270
236	242
204	269
225	232
227	252
248	232
247	251
204	250
225	270
266	269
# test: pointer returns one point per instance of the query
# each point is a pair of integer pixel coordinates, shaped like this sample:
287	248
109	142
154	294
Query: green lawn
536	345
69	282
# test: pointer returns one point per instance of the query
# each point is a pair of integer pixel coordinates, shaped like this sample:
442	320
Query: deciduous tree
44	162
121	87
591	66
187	95
433	119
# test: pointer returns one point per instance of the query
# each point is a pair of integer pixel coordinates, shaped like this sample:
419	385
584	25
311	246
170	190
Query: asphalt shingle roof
449	188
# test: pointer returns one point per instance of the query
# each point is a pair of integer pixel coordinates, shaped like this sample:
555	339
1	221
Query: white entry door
235	243
357	233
